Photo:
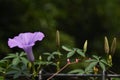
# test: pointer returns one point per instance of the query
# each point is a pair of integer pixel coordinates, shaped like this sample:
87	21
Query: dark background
77	21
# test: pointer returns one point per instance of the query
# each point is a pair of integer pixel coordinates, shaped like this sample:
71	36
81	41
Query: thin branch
60	70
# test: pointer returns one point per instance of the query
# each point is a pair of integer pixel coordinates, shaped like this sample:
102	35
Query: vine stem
60	70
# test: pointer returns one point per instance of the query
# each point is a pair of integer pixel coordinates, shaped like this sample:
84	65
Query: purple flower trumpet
26	41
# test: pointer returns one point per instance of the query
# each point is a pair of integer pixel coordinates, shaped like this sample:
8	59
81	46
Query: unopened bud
40	58
29	65
110	60
106	45
76	60
57	38
68	61
95	70
85	46
110	57
58	62
113	46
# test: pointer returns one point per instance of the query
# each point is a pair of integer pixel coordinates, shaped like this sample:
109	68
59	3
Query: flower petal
37	36
14	42
25	39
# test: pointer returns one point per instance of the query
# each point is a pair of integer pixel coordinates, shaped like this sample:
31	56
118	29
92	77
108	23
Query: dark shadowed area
77	21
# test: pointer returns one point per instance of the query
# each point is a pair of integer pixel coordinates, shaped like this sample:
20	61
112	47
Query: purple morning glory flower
26	41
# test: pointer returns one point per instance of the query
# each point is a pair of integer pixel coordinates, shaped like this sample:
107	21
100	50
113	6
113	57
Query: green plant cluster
16	66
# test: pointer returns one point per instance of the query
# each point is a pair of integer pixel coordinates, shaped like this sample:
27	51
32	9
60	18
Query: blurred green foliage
77	21
30	15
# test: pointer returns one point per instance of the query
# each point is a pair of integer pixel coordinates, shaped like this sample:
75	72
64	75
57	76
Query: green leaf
90	60
23	68
16	68
70	54
10	56
96	57
56	53
2	61
22	54
90	66
26	73
80	52
102	65
104	61
24	60
11	72
15	61
66	49
88	71
78	71
50	57
1	77
43	63
17	75
2	69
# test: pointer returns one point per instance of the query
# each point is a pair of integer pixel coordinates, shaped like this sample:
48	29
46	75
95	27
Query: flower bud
106	45
85	46
68	61
76	60
57	38
29	65
95	70
113	46
40	58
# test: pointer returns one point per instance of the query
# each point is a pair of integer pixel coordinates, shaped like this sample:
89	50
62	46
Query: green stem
58	66
33	71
